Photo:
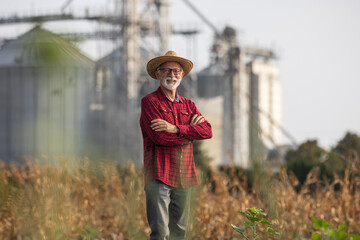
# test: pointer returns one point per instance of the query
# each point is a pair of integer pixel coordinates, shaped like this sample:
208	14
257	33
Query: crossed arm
160	125
164	133
199	128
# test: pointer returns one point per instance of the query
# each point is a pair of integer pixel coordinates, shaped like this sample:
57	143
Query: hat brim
154	63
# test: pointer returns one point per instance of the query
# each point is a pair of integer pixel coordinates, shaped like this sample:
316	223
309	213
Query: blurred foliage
309	155
105	201
350	144
321	231
80	198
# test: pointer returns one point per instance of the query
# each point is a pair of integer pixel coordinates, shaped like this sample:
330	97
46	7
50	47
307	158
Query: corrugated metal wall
43	110
45	92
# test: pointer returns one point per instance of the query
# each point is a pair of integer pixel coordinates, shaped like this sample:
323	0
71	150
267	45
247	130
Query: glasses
176	71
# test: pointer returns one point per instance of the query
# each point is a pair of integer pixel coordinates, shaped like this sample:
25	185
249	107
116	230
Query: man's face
170	75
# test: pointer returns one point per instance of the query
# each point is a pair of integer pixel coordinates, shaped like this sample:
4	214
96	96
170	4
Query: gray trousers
167	210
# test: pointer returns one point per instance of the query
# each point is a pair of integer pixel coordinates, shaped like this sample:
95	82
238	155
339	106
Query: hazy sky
318	42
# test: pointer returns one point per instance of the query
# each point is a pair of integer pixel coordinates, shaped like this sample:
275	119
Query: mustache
170	78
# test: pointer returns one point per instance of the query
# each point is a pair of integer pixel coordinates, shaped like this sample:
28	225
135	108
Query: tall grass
100	200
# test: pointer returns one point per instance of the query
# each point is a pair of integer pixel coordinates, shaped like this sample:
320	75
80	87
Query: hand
160	125
196	119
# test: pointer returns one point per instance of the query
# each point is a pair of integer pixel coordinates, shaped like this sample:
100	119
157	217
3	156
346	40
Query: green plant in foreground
255	218
331	234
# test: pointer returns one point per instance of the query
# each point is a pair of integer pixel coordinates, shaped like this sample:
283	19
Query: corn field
87	200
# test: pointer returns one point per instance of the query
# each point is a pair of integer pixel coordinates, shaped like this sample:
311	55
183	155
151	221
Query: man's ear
157	74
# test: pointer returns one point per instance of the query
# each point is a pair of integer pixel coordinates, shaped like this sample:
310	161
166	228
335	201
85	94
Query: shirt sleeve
149	112
196	132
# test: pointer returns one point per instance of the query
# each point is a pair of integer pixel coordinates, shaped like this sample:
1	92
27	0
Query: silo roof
111	58
39	47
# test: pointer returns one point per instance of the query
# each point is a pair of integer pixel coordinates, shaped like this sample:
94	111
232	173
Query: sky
317	41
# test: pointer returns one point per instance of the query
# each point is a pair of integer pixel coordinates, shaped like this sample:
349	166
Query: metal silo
44	96
119	136
210	81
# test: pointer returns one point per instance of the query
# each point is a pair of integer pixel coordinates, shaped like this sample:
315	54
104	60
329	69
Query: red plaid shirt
168	157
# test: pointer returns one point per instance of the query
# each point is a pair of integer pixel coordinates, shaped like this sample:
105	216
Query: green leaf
263	213
320	224
308	227
342	227
355	236
271	231
316	236
263	220
338	235
243	213
252	210
247	224
254	219
249	217
256	212
239	230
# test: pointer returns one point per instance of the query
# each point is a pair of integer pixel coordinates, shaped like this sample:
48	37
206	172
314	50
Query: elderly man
169	123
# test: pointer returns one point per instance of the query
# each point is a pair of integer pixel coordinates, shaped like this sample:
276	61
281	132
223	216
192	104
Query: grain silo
244	106
44	96
119	136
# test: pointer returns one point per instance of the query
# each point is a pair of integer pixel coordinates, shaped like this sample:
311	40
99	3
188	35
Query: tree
351	142
303	159
310	155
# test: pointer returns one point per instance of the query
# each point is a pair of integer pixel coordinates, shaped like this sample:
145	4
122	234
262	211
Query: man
169	123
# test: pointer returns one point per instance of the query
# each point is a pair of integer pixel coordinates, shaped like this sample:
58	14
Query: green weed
254	217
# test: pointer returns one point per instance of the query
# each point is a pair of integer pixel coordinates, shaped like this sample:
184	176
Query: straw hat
170	56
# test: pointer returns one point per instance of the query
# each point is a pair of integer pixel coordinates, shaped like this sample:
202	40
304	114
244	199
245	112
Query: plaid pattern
168	157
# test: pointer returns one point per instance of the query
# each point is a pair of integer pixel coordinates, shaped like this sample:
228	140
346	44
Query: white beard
163	82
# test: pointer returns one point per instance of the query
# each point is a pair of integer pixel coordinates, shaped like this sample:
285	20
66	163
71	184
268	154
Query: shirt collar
162	95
